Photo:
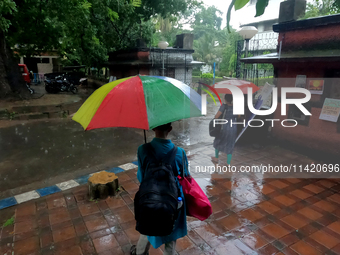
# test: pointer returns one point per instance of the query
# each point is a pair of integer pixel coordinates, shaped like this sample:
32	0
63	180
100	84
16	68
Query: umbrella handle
144	136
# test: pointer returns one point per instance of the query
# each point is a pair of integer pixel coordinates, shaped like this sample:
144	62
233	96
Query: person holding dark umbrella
225	141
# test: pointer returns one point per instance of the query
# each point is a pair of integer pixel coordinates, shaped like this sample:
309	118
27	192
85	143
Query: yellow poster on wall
316	86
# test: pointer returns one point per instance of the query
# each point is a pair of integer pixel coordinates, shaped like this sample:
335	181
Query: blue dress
225	141
162	147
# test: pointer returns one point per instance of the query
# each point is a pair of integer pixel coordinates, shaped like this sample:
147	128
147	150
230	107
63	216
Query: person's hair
164	127
228	98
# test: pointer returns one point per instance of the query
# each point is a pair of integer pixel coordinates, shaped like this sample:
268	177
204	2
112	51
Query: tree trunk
102	185
11	80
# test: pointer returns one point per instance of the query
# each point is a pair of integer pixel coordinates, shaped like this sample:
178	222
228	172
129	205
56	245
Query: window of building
45	60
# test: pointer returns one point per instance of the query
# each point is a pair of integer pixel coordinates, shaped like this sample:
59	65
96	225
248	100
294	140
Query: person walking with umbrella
147	102
225	141
161	147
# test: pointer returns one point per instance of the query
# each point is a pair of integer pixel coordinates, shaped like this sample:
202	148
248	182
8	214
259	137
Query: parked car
26	75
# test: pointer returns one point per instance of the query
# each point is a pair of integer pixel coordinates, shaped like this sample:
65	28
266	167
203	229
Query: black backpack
156	201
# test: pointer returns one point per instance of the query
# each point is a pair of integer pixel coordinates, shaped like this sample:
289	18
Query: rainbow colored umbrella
141	102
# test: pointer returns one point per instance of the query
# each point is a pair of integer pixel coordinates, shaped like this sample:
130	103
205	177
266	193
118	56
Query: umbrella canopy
220	87
141	102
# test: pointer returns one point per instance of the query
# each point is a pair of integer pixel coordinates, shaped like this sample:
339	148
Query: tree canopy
321	8
211	42
82	31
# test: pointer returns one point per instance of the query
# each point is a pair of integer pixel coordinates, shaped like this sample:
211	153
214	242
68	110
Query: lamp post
163	45
247	33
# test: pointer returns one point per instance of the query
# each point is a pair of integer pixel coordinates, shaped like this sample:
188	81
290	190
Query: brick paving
251	215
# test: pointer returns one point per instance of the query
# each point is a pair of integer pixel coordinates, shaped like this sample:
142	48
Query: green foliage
64	114
112	14
7	7
136	3
10	115
206	20
229	14
205	49
336	4
322	8
9	222
213	44
229	56
264	66
260	7
209	38
238	4
207	75
83	31
167	29
232	62
262	81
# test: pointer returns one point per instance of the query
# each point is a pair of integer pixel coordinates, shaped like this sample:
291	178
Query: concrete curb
34	194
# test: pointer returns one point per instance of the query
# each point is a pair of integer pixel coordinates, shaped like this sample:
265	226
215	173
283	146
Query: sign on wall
300	81
316	86
330	110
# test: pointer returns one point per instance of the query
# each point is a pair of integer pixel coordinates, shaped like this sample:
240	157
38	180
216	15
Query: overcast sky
247	13
223	6
243	16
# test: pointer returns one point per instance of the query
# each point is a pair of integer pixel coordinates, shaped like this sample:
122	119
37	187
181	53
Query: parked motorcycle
59	84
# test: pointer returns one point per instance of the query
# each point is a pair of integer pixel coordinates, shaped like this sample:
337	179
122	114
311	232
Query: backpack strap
169	158
183	165
150	153
224	111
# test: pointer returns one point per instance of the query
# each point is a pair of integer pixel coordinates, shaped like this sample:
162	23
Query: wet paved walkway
251	215
44	153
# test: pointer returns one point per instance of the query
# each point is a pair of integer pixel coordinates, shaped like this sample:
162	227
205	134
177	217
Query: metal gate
262	44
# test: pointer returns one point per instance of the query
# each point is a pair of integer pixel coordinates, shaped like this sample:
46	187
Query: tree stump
102	185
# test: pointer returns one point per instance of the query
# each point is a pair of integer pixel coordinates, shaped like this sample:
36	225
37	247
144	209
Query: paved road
36	154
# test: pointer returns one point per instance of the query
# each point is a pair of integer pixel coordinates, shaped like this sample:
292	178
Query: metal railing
260	45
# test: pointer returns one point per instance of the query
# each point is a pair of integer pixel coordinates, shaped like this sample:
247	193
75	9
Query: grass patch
9	222
262	81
